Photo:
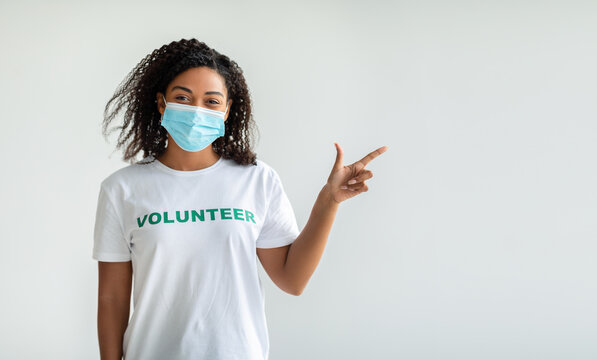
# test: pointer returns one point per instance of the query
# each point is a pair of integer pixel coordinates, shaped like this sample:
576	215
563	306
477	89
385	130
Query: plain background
476	239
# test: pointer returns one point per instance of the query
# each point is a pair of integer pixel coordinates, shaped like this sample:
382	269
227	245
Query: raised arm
343	183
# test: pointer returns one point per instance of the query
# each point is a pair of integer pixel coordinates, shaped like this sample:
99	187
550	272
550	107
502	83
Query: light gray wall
476	239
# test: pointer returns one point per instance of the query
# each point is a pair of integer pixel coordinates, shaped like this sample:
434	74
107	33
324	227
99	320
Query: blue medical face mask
193	128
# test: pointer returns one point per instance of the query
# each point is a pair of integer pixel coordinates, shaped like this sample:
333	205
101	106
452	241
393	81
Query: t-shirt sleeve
109	242
279	224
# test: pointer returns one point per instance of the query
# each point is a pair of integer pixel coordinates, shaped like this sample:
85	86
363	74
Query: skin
202	83
114	300
290	267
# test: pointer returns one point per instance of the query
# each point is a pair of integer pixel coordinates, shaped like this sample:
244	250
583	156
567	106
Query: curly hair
137	93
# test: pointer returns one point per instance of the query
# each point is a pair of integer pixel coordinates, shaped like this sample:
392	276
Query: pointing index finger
372	155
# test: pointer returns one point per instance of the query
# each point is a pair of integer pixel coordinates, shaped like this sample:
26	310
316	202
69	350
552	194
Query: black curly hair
137	93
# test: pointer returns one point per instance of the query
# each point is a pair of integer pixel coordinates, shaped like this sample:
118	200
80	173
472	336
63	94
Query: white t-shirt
192	239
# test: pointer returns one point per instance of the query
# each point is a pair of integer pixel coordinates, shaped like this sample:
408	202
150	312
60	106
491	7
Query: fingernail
353	181
343	187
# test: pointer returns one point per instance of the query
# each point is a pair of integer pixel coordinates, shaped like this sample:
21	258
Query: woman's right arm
114	299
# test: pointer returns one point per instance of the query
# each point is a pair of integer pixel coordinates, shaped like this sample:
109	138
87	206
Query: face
200	86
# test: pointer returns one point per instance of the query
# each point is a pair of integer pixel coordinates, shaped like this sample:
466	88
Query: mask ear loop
165	104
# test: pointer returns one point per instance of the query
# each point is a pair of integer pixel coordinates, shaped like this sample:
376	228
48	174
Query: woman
189	220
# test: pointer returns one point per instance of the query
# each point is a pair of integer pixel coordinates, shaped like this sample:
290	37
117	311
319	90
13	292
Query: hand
345	182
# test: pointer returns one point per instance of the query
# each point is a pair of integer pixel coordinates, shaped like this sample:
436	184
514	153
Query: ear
160	102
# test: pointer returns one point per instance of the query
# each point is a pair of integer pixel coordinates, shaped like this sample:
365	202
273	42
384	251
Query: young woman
189	220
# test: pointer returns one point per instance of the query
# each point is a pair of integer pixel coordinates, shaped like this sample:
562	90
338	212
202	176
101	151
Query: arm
305	252
114	299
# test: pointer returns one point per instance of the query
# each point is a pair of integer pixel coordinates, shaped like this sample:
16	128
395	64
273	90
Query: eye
215	102
181	96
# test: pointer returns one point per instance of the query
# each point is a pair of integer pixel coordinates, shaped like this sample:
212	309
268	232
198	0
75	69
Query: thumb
339	157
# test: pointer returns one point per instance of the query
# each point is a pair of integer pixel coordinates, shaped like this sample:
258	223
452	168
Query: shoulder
269	173
262	173
261	167
126	175
265	167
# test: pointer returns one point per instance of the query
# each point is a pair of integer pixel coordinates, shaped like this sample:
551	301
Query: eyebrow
190	91
214	93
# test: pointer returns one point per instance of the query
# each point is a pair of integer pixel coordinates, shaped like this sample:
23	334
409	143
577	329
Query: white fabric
197	293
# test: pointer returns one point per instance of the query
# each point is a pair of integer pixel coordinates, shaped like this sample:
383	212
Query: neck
178	159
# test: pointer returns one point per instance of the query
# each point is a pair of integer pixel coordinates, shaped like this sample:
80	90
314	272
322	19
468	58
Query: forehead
200	79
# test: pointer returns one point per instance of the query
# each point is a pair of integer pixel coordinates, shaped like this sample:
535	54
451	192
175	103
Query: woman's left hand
347	181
